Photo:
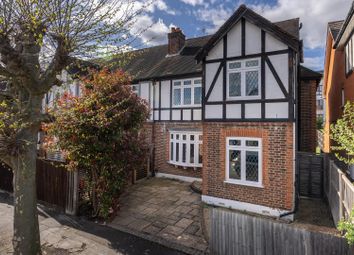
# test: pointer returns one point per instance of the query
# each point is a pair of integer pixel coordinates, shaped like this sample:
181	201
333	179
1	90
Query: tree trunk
26	238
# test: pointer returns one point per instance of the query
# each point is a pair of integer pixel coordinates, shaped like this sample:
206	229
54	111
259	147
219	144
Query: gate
55	185
311	169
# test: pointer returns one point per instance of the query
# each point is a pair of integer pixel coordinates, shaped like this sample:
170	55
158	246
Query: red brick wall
277	168
307	116
161	141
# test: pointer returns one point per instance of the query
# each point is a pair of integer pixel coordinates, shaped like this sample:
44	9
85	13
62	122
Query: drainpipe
153	173
297	123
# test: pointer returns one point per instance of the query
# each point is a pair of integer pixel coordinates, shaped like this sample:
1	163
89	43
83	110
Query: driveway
65	235
164	211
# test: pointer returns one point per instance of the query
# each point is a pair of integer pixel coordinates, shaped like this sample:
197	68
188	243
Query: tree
100	132
38	39
342	133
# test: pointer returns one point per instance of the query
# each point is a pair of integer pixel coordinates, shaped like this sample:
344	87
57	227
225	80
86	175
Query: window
136	89
186	148
244	161
243	79
349	56
187	92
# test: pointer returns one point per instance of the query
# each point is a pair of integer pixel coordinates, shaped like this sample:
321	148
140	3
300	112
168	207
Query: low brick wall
277	168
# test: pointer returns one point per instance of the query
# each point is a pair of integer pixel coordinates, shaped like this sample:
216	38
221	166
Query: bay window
243	79
186	148
244	161
187	92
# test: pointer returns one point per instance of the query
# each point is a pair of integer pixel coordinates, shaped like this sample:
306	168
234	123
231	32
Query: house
229	109
338	73
320	101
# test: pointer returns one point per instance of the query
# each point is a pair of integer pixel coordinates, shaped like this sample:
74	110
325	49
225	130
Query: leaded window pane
200	154
187	82
252	143
177	97
252	161
235	65
177	83
252	63
234	84
187	96
235	142
252	83
234	164
199	81
197	95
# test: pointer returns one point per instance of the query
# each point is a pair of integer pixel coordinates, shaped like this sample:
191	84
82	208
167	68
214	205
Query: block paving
163	209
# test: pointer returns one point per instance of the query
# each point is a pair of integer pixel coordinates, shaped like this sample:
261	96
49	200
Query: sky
203	17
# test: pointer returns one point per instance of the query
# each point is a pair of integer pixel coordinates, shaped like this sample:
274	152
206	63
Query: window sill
243	98
249	184
184	165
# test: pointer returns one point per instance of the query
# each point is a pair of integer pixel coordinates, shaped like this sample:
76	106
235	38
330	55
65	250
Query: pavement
164	211
62	234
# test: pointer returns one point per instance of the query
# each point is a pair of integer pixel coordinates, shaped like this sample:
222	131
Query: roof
334	28
346	28
308	74
290	36
153	62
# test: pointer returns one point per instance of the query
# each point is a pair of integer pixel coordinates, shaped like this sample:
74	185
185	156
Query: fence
311	174
235	233
339	191
55	185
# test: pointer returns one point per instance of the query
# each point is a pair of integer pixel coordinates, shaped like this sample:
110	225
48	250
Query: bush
100	132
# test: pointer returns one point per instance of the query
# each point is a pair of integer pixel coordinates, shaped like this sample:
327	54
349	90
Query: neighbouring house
338	73
230	110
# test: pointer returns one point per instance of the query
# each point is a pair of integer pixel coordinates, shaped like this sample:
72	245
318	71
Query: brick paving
166	211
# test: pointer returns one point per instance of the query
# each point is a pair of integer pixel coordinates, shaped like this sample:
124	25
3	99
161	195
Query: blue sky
202	17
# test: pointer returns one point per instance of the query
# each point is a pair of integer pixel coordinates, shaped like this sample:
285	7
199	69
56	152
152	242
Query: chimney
176	40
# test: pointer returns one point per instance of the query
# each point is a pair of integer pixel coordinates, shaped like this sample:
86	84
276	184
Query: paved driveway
165	211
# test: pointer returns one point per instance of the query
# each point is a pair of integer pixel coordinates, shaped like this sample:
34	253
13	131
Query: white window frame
192	86
136	89
243	148
196	142
243	69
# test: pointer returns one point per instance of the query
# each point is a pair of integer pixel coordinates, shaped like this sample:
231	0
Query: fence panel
340	192
311	168
234	233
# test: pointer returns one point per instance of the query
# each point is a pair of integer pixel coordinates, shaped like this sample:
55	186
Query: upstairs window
244	161
187	92
349	56
243	79
186	148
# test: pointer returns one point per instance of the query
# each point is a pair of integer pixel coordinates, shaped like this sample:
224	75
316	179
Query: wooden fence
55	185
235	233
339	191
311	168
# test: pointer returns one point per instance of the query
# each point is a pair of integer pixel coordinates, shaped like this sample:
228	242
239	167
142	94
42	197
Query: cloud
193	2
313	14
156	32
216	16
314	63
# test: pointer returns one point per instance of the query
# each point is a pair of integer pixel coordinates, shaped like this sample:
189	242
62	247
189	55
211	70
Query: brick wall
161	141
277	168
307	116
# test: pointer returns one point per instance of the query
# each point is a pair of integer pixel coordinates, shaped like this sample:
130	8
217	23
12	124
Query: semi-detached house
225	110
